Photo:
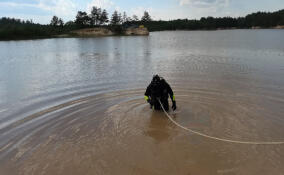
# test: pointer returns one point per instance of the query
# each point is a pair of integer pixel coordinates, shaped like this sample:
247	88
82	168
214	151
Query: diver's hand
174	106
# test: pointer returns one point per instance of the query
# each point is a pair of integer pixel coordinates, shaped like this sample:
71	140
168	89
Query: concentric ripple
116	132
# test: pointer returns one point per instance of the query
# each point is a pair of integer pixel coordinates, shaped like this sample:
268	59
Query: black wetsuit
160	90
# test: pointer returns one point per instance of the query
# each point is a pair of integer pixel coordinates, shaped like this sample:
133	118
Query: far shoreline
233	28
87	26
69	35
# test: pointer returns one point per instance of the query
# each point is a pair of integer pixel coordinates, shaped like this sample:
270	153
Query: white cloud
104	4
117	8
139	11
44	19
13	4
61	8
158	14
203	8
205	3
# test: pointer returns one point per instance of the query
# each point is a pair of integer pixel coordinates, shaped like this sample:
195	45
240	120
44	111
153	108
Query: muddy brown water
75	106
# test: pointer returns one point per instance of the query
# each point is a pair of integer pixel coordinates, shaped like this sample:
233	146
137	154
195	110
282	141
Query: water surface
75	106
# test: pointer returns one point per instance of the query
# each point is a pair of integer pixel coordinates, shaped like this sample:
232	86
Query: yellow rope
216	138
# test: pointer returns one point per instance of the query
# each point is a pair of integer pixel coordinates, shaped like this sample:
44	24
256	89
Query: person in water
157	90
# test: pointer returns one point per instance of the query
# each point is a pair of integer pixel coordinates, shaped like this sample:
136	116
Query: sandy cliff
100	31
279	27
137	31
93	32
276	27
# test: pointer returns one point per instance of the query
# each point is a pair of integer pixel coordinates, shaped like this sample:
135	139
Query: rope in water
216	138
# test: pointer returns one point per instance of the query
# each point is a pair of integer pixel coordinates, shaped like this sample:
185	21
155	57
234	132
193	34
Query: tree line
98	17
11	28
259	19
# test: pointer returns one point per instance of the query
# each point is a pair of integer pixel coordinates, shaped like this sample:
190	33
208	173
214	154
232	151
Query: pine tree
54	21
60	22
146	17
82	19
104	17
95	15
135	18
115	18
124	17
119	18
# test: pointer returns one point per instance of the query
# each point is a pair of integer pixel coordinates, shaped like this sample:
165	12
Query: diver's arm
147	94
170	91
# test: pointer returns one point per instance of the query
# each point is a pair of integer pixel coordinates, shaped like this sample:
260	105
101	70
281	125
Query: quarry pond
76	105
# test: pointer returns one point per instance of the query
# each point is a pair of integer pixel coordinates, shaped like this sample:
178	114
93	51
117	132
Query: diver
157	90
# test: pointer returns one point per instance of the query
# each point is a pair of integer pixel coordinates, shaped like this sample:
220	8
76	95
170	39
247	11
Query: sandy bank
100	31
92	32
275	27
137	31
279	27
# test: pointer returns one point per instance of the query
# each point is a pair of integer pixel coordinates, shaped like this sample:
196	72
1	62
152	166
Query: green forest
11	28
259	19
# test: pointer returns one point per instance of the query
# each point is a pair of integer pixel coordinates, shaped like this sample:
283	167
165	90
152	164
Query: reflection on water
158	127
75	106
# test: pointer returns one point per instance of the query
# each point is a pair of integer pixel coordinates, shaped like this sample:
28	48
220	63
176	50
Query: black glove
174	106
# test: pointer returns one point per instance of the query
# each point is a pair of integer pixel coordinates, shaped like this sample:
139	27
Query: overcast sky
41	11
